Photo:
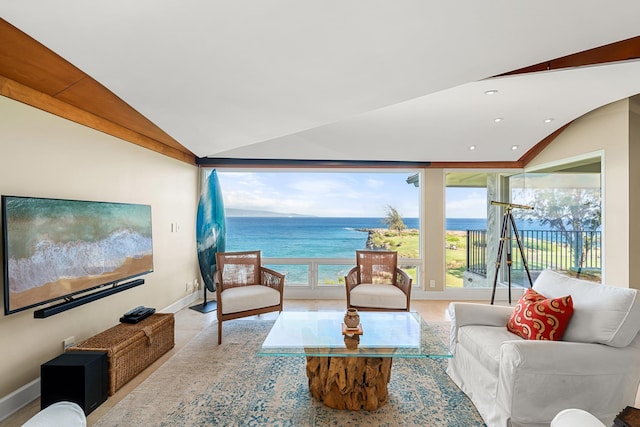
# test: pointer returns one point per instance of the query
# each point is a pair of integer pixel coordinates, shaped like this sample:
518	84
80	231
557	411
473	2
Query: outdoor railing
477	252
576	251
319	273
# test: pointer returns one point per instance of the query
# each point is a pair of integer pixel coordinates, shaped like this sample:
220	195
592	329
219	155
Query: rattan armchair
244	287
377	284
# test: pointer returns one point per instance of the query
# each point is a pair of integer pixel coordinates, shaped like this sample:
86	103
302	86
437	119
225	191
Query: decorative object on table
210	236
352	318
376	278
352	341
505	235
354	331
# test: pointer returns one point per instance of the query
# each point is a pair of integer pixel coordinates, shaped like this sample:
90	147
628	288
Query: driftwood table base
349	382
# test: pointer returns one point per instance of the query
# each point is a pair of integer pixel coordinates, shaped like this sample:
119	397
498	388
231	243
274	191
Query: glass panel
563	230
320	214
332	274
311	215
384	335
466	228
295	274
412	271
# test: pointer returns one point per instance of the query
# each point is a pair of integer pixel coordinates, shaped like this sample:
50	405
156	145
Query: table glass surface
385	334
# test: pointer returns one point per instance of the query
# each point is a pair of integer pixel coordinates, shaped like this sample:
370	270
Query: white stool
575	418
66	414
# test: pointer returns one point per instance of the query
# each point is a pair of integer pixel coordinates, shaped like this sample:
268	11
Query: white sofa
517	382
67	414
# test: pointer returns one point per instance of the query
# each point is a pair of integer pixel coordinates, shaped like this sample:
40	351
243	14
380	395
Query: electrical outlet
68	342
196	285
432	283
187	286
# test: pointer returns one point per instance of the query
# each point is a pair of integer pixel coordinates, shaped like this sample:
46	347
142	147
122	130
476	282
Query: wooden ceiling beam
623	50
33	74
42	101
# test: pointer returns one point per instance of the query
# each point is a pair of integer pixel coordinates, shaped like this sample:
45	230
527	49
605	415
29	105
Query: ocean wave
53	261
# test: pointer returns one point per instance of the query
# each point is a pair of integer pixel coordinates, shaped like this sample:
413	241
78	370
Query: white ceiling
339	79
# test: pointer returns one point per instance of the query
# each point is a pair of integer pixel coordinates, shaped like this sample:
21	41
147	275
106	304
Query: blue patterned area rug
205	384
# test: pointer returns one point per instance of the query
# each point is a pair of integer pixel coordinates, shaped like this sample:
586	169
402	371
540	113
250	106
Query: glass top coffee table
351	370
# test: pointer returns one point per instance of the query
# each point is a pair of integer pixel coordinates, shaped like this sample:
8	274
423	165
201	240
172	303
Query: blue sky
336	194
466	202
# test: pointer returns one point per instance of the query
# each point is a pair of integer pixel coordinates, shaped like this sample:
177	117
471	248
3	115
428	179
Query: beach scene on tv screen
61	247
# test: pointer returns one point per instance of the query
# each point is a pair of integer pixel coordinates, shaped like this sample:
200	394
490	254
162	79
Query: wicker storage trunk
132	347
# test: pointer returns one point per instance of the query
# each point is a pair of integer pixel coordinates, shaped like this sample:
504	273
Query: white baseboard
26	394
182	303
21	397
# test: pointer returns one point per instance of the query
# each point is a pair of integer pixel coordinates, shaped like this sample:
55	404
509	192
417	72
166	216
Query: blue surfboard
210	229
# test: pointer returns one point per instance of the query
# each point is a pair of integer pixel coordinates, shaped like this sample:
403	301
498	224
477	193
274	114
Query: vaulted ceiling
405	81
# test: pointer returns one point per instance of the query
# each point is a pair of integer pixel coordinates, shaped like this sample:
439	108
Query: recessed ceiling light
498	119
490	92
472	147
514	147
549	120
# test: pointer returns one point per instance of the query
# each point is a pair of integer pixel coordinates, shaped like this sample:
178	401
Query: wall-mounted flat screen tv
54	249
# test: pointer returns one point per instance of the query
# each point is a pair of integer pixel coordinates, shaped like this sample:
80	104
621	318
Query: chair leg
219	332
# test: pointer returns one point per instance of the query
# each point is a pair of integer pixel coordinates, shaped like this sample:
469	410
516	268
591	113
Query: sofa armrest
555	375
466	313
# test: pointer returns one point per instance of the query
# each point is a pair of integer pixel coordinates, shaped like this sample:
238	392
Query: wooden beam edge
477	165
622	50
26	95
537	149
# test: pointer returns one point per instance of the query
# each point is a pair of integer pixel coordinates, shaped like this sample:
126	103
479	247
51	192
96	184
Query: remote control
133	311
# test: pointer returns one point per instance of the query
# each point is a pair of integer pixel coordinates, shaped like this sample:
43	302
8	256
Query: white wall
603	130
433	226
634	191
45	156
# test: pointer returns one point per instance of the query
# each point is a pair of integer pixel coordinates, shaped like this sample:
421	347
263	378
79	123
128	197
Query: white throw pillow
601	314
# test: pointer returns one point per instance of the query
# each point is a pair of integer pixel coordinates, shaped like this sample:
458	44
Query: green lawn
407	245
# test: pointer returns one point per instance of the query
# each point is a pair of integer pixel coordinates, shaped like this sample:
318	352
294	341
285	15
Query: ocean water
314	237
51	239
320	237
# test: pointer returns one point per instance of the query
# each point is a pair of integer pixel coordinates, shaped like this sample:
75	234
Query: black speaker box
81	377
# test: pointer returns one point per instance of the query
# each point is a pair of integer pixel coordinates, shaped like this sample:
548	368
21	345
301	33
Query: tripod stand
505	236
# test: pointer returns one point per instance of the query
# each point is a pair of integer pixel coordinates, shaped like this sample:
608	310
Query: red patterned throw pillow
536	317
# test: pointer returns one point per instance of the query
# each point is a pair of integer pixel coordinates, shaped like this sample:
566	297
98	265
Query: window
466	229
309	224
563	230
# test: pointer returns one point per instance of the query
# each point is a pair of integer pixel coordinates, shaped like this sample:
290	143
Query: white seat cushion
243	298
378	296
